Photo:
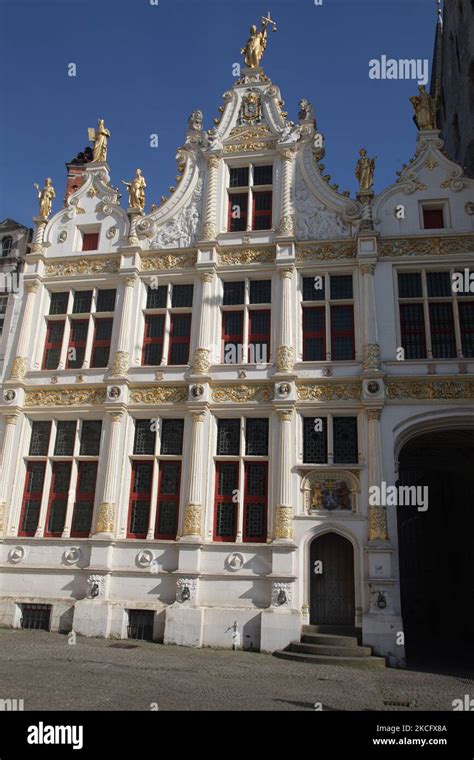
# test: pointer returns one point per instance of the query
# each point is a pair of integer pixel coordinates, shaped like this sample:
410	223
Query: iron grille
315	440
58	303
234	293
439	284
182	296
260	291
144	437
82	302
341	286
40	433
36	616
263	175
412	323
172	436
140	625
239	176
345	439
65	435
254	525
156	297
256	436
106	300
228	437
310	292
443	340
409	285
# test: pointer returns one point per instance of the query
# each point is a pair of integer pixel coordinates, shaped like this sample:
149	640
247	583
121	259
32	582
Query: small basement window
140	625
90	241
433	218
36	616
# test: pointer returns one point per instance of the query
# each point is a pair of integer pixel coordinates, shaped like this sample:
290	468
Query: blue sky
144	68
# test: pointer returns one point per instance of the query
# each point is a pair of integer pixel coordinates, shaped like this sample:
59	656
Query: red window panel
262	210
259	336
443	339
152	353
466	319
232	336
314	334
58	495
101	344
84	501
225	508
342	333
412	327
140	499
53	344
77	341
168	500
255	502
238	212
32	495
433	218
90	241
180	335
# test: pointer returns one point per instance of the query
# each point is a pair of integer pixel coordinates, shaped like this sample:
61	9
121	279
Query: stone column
286	227
134	214
283	529
209	230
41	222
19	363
286	353
377	514
105	523
9	435
201	355
122	359
192	526
371	351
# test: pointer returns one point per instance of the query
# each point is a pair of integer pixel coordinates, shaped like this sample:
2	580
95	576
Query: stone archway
436	546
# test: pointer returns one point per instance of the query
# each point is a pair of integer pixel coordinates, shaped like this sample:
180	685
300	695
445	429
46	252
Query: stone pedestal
279	627
92	617
184	625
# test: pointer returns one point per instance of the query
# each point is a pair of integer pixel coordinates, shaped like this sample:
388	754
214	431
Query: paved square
97	674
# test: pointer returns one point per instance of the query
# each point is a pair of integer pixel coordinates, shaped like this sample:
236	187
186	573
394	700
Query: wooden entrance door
332	590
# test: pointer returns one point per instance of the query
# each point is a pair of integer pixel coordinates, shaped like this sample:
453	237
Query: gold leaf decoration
327	251
427	246
431	390
65	397
169	261
328	391
82	266
242	393
158	394
246	256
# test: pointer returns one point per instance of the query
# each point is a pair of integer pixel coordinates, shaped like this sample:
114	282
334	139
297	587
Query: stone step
319	659
332	651
336	630
330	641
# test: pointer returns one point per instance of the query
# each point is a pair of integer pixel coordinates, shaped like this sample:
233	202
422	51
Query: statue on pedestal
365	171
45	197
99	137
257	42
136	191
425	109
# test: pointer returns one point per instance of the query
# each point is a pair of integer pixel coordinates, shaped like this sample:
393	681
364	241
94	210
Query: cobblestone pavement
97	674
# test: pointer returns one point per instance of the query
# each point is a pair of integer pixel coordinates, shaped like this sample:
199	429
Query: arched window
7	243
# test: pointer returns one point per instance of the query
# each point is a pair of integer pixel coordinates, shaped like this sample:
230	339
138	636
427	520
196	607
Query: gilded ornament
285	359
431	390
242	393
209	231
105	518
18	368
328	391
378	524
249	147
169	261
374	414
201	361
158	394
120	364
192	520
65	397
82	266
427	246
371	356
246	256
327	252
284	523
287	225
99	137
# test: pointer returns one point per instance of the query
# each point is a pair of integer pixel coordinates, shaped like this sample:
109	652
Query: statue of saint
256	44
195	121
45	197
99	137
365	171
136	191
343	495
425	109
317	496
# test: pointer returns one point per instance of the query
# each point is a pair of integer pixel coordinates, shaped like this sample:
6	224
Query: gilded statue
136	191
45	197
317	496
425	109
365	171
195	121
99	137
257	42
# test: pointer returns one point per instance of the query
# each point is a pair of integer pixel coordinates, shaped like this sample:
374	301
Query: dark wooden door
332	590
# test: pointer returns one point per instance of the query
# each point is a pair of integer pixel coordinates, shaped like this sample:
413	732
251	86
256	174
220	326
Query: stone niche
330	491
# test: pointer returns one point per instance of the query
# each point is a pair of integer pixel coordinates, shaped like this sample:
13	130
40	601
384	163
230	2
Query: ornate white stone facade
200	589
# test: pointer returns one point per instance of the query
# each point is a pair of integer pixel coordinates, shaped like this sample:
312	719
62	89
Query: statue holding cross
257	42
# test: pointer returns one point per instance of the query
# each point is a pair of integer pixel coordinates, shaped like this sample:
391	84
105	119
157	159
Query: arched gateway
436	546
